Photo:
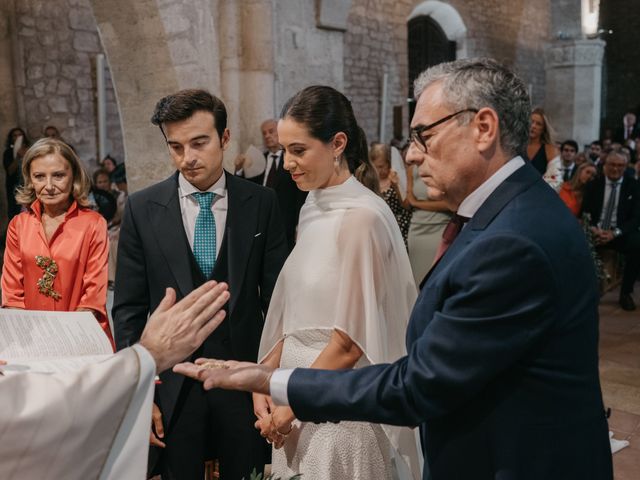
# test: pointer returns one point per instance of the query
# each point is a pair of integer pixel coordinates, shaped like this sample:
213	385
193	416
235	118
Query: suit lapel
599	199
623	200
240	231
166	220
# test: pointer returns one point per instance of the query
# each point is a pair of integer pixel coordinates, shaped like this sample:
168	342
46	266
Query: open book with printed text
40	341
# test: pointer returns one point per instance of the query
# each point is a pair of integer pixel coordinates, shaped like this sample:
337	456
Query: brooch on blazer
45	284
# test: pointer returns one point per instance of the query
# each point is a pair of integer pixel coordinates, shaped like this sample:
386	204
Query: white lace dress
346	450
349	271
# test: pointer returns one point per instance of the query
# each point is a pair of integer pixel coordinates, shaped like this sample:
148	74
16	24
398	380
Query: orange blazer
79	246
570	199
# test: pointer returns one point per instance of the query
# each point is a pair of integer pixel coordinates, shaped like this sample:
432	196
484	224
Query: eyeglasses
415	134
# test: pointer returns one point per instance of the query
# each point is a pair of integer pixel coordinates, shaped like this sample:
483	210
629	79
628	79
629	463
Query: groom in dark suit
502	365
200	224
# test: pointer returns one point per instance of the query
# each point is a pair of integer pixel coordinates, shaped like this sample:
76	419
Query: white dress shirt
469	206
189	208
475	199
607	194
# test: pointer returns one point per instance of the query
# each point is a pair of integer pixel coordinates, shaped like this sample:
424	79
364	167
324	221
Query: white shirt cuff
278	386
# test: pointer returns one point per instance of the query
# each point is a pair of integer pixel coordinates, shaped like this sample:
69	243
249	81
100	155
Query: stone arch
157	47
135	44
449	20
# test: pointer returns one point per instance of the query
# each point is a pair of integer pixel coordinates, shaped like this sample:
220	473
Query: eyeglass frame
415	134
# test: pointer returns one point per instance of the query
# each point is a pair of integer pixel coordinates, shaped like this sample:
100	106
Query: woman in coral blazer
572	190
57	250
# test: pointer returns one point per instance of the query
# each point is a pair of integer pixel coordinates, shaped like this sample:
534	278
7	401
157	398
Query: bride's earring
336	162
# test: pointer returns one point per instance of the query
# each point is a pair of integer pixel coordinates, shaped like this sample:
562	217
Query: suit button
225	341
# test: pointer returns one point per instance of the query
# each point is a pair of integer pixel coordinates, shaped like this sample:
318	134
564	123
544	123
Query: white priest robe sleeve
93	423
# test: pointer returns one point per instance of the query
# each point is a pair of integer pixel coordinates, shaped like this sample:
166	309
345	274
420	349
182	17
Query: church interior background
95	68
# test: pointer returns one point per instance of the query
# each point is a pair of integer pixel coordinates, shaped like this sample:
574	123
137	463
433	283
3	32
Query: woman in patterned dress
380	157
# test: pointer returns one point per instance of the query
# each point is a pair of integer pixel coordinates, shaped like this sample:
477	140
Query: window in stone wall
427	45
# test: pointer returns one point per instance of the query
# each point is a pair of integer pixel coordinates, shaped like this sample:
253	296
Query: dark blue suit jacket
502	370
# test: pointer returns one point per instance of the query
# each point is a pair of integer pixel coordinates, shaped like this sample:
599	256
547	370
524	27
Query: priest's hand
229	374
175	330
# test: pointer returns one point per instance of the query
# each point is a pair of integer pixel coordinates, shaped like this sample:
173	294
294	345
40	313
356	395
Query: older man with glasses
613	203
502	370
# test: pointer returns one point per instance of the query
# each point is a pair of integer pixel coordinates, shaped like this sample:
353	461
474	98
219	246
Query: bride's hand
268	431
264	425
262	405
283	418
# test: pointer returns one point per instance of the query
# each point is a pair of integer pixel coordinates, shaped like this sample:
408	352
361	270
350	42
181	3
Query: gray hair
484	82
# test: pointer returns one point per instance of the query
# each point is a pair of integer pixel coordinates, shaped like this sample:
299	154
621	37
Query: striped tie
204	242
608	212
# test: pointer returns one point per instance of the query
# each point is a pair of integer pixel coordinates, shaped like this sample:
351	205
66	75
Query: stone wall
622	59
57	44
376	41
305	55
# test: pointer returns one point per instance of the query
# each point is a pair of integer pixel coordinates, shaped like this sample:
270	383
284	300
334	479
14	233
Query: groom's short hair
183	104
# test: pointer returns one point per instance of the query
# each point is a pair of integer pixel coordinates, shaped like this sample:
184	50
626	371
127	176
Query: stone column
135	41
230	89
573	88
8	103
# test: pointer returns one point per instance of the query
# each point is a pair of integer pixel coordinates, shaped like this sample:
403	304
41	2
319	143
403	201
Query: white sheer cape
348	271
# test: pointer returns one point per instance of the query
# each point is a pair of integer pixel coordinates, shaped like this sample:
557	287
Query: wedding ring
285	433
214	364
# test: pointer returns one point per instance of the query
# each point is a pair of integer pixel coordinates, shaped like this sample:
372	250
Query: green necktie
204	241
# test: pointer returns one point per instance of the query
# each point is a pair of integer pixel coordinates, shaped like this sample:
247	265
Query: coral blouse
79	247
570	199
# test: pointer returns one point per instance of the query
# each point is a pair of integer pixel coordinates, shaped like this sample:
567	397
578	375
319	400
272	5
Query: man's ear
339	143
487	129
224	141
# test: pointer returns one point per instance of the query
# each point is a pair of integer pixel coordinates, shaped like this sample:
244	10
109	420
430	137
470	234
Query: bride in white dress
342	299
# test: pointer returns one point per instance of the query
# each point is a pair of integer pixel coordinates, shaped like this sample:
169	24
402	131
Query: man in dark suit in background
613	202
629	129
568	152
502	369
200	224
290	198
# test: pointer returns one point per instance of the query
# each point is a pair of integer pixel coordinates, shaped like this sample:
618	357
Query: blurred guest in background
580	158
51	131
15	147
290	198
572	191
540	149
102	181
109	164
613	201
595	148
380	157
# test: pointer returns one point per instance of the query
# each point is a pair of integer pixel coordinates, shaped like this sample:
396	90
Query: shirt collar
270	153
617	182
475	199
186	189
